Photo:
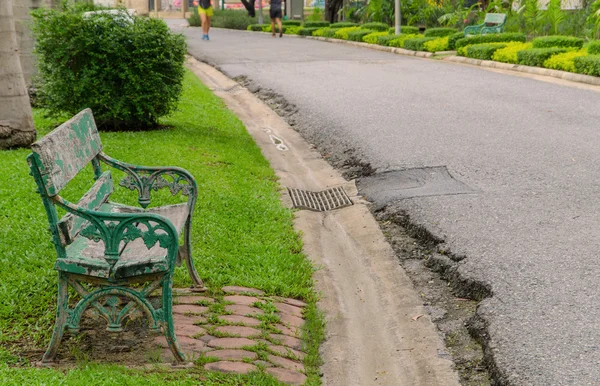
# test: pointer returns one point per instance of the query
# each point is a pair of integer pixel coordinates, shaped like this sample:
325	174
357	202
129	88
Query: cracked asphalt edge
378	331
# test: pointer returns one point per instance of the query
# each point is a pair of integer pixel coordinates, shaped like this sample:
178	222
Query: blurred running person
205	10
276	14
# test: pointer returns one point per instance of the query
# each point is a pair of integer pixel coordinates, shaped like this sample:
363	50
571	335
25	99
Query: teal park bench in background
113	256
493	23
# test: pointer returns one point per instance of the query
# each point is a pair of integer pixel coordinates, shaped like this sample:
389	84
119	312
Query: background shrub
318	24
399	42
439	32
232	19
342	33
379	27
404	29
330	32
303	31
453	38
194	19
490	38
417	44
128	70
438	44
537	56
483	51
258	27
344	24
508	54
384	40
293	30
564	61
557	41
594	47
588	65
295	23
373	37
358	35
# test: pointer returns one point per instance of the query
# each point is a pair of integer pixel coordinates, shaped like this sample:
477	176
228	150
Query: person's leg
280	26
273	27
209	15
204	24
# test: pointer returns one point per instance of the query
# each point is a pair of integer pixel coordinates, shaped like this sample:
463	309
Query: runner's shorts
208	11
275	14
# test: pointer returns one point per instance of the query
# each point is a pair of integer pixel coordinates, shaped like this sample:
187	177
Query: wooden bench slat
67	150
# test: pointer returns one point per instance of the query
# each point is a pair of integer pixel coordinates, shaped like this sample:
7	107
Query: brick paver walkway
240	332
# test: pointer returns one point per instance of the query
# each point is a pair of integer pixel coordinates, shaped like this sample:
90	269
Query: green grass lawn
241	236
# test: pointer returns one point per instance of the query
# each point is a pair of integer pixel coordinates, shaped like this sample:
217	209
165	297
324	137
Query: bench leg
168	325
187	255
61	319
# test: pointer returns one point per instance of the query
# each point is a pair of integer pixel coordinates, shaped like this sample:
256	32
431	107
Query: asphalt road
529	149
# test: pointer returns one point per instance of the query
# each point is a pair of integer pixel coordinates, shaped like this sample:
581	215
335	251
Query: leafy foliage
439	44
417	44
452	39
384	40
439	32
532	16
399	42
342	33
588	65
295	23
293	30
594	47
344	24
483	51
318	24
564	61
258	27
557	41
537	56
509	53
379	27
373	37
405	29
358	35
304	31
490	38
233	19
128	70
554	16
194	19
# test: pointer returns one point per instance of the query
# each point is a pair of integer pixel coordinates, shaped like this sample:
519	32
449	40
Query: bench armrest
144	179
113	228
473	29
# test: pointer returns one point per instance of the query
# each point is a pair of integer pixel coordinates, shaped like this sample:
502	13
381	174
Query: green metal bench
113	256
493	23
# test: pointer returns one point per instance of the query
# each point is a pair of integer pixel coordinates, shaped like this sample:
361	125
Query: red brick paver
181	319
288	309
243	332
192	299
242	300
286	363
233	355
189	330
295	302
189	309
294	331
238	319
230	367
286	351
231	343
243	310
242	290
288	341
287	376
292	321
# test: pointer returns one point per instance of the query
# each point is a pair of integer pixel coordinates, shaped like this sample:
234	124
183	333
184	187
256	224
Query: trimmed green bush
537	56
453	38
376	27
491	38
399	42
344	24
373	37
342	33
384	40
564	61
588	65
293	30
330	32
439	32
483	51
128	70
295	23
258	27
557	41
594	47
509	53
436	45
307	31
405	29
417	44
317	24
358	35
231	18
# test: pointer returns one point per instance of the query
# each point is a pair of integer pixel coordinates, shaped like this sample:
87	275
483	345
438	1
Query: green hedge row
452	39
490	38
537	56
379	27
439	32
557	41
257	27
317	24
386	39
405	29
588	65
594	47
295	23
344	24
307	31
483	51
359	34
417	44
330	32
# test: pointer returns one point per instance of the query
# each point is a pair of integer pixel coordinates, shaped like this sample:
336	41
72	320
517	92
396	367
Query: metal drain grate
329	199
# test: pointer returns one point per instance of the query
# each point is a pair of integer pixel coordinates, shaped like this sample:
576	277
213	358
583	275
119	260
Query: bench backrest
494	18
66	151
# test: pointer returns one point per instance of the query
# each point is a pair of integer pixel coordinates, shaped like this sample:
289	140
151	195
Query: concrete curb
394	50
595	81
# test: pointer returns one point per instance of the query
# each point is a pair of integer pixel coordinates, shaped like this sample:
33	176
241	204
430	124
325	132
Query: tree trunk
22	19
16	122
331	9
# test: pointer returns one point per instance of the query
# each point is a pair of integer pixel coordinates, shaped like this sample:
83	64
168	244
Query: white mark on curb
278	143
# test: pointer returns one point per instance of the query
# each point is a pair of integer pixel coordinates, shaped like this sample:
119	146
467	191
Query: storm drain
329	199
